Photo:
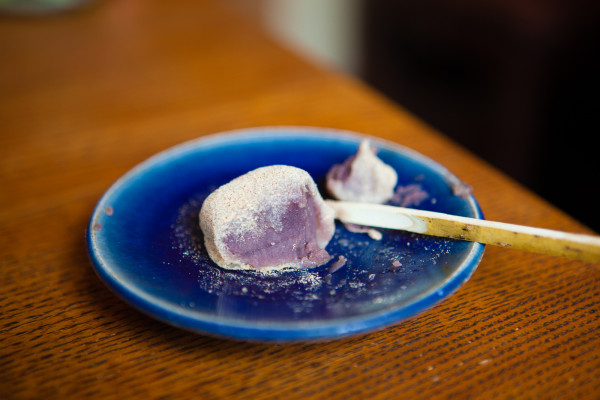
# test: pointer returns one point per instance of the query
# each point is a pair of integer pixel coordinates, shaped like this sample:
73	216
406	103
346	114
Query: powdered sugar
386	270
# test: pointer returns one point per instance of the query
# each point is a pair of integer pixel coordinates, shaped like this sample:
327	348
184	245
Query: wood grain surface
88	94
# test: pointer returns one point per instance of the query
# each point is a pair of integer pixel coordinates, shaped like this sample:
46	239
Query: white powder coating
261	197
363	178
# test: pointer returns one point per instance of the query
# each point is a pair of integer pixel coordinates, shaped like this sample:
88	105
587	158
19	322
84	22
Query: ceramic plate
146	245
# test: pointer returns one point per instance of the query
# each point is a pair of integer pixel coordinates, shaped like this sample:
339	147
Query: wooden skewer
557	243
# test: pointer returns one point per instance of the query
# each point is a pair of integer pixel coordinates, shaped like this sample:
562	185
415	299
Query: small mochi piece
362	177
270	218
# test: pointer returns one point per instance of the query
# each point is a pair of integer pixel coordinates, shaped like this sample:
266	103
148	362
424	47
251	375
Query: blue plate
146	245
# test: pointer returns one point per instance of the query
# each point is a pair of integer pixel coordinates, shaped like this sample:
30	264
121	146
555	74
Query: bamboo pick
557	243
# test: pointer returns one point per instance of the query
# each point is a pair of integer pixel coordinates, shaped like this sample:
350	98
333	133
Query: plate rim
210	324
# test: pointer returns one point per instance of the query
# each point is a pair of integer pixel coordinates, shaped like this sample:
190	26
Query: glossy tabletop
88	94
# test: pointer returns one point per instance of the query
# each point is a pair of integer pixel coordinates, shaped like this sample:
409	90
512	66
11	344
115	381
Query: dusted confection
270	218
362	178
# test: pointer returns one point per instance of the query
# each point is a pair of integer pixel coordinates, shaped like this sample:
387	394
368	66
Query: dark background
514	81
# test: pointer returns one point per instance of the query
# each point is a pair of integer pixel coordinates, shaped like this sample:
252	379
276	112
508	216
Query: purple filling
340	172
294	243
409	195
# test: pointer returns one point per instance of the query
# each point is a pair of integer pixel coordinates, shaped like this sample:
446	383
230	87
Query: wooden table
86	95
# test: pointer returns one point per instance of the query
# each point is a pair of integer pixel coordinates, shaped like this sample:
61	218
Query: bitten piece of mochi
362	178
270	218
